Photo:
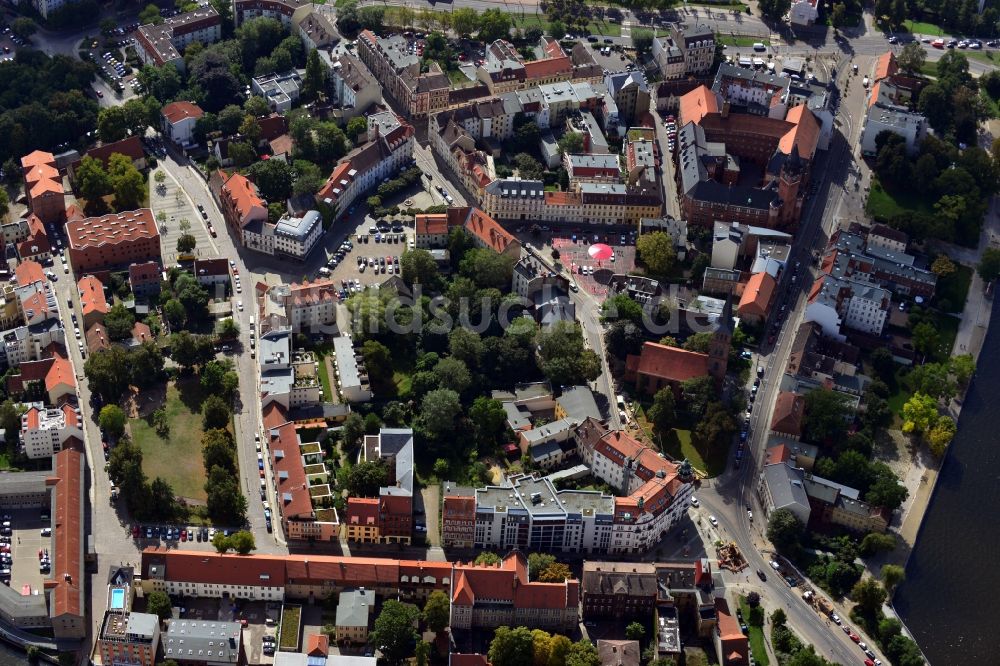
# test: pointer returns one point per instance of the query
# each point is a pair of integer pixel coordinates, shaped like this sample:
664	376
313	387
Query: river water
949	597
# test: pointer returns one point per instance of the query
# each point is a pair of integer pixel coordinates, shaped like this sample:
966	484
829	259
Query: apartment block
45	432
165	42
113	240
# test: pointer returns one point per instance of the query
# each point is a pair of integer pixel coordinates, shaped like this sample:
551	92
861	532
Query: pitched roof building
117	239
789	409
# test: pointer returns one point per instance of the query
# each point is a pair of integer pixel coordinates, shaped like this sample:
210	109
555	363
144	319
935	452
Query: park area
177	457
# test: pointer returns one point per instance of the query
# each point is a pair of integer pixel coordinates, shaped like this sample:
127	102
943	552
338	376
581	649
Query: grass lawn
883	205
178	457
678	446
736	40
4	460
540	21
898	399
920	28
757	647
954	288
929	69
947	328
289	637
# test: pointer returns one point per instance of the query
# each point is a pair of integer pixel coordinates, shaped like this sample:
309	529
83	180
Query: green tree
557	29
314	82
623	338
419	267
464	21
826	413
356	127
656	250
453	374
697	392
494	24
395	634
174	312
635	631
119	322
112	420
875	542
784	530
273	179
487	557
108	373
242	542
583	653
941	434
365	478
111	124
221	542
699	342
23	27
774	9
159	604
437	611
563	358
892	576
621	306
869	595
215	412
663	414
91	179
963	367
186	243
838	15
528	167
511	647
378	361
4	203
225	501
422	653
920	413
989	264
218	449
439	409
538	562
352	430
149	14
912	57
571	143
489	420
128	184
778	617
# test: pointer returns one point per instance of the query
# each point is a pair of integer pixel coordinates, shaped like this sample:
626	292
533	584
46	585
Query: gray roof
518	416
550	429
16	605
143	624
828	491
354	608
787	486
398	443
578	403
515	187
275	348
298	228
347	365
192	640
692	149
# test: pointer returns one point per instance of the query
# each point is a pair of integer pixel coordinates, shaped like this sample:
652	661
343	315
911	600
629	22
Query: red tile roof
37	241
41	172
332	183
757	295
541	69
144	273
68	545
777	454
489	231
242	195
272	126
29	272
432	224
141	332
670	363
697	104
61	372
130	148
805	134
112	229
31	418
97	337
362	511
318	645
886	65
735	646
70	415
178	111
292	491
788	411
92	296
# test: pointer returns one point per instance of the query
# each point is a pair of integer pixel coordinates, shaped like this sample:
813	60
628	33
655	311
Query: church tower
718	349
789	181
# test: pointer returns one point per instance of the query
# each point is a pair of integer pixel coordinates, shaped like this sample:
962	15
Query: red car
869	662
135	531
261	473
184	535
855	638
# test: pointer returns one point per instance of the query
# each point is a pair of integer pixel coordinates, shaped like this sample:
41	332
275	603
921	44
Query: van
759	46
745	62
251	322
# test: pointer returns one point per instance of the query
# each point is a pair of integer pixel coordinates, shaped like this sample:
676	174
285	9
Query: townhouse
516	200
159	44
178	120
45	432
838	303
389	60
388	150
878	260
389	517
309	307
354	87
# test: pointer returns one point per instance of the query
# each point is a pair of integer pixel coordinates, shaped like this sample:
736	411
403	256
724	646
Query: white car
712	519
694	501
239	305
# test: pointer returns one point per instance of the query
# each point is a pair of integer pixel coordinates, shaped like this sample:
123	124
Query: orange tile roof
540	69
436	223
788	411
735	646
46	186
29	272
873	95
696	104
37	157
68	546
177	111
112	229
273	416
70	415
777	454
242	195
318	645
338	174
92	297
561	198
37	303
488	231
61	372
671	363
31	418
41	172
886	65
805	134
757	295
141	332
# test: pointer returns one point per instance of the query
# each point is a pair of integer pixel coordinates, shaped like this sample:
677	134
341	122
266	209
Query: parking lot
8	44
170	200
26	541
